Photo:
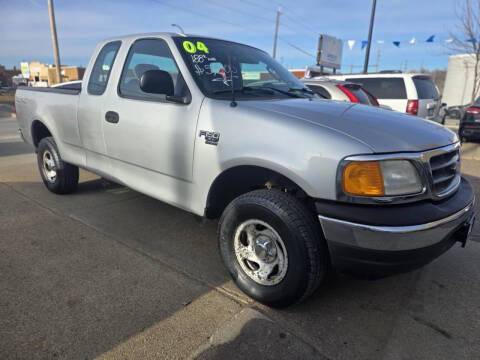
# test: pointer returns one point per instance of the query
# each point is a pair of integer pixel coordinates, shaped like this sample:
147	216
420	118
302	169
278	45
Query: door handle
112	117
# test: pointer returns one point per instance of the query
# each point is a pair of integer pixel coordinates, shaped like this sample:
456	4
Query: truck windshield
217	65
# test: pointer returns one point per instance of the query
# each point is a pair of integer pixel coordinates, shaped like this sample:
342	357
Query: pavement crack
227	293
433	326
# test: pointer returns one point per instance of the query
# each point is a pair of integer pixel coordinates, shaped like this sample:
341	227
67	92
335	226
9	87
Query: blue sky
25	31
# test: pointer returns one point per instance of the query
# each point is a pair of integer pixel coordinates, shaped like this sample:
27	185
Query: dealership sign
25	69
329	53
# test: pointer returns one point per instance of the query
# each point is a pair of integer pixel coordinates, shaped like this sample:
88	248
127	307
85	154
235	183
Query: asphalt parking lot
107	272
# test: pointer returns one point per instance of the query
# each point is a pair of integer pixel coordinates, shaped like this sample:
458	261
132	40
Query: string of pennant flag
413	41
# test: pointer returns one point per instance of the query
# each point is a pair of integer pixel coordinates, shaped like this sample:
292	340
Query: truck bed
55	107
58	90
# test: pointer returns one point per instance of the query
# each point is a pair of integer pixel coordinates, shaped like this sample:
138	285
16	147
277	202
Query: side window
320	90
426	88
101	69
145	55
383	88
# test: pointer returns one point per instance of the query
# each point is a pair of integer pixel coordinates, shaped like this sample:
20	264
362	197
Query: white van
414	94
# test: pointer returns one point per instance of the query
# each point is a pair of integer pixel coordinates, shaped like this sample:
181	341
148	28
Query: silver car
338	90
414	94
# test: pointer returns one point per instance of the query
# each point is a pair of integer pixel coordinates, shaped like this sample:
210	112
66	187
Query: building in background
6	76
459	80
39	74
298	73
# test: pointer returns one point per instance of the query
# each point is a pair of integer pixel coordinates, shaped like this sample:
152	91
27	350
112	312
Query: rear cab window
98	80
426	89
383	88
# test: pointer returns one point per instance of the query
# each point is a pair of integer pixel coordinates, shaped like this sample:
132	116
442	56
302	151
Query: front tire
273	247
58	176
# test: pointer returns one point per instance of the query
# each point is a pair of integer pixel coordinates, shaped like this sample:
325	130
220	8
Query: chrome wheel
260	251
48	166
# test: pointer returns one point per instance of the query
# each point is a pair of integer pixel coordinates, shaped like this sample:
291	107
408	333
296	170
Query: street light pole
277	23
370	30
178	26
54	41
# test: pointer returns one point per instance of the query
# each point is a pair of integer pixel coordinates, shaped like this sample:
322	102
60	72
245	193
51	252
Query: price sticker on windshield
192	49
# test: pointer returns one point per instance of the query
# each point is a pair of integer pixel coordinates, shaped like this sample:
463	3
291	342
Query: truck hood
382	130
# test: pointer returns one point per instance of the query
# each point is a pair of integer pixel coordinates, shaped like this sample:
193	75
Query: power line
300	22
249	14
222	6
203	15
296	47
288	16
255	4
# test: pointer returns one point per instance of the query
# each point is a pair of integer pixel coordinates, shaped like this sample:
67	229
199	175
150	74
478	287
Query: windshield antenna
233	103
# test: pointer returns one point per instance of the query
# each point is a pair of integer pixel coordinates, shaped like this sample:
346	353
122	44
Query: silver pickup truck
301	185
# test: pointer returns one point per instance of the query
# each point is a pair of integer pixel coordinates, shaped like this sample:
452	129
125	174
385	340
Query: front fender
303	152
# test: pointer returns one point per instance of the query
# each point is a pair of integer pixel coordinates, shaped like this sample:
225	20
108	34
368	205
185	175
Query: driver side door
150	140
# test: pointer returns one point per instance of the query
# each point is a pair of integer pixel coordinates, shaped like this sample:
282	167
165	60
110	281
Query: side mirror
444	104
157	82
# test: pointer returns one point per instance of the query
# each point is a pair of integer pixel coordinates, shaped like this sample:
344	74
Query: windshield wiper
288	92
304	90
243	89
266	89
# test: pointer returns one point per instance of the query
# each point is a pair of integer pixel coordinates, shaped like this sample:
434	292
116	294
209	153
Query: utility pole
378	60
421	66
370	30
406	66
277	23
54	41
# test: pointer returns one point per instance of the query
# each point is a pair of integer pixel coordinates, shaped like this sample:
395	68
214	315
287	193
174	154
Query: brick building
7	74
39	72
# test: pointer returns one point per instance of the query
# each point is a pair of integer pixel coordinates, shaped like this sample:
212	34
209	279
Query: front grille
445	172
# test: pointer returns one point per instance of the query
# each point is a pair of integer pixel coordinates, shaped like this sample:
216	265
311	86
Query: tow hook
462	234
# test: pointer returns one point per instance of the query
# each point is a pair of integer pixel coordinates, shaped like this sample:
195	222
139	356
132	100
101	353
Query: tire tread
67	174
303	222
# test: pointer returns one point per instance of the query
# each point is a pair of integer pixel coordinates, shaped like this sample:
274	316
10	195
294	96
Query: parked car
469	128
414	94
222	130
457	111
341	91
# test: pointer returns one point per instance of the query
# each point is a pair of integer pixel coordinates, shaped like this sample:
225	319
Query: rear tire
455	114
58	176
272	247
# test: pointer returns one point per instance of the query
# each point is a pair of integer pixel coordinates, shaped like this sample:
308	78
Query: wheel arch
240	179
38	131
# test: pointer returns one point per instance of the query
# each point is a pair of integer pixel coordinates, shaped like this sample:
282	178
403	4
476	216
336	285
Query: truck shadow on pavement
14	148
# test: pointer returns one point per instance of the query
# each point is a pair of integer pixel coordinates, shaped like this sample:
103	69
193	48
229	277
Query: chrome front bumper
393	238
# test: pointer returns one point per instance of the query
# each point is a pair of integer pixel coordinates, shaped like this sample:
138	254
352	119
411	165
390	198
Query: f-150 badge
211	137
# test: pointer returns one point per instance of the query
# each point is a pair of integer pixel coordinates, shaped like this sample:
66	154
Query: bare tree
466	36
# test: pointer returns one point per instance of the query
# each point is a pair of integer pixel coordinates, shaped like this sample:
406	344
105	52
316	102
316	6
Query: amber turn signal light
363	178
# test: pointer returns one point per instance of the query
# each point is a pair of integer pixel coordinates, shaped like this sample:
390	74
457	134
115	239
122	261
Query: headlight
381	178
